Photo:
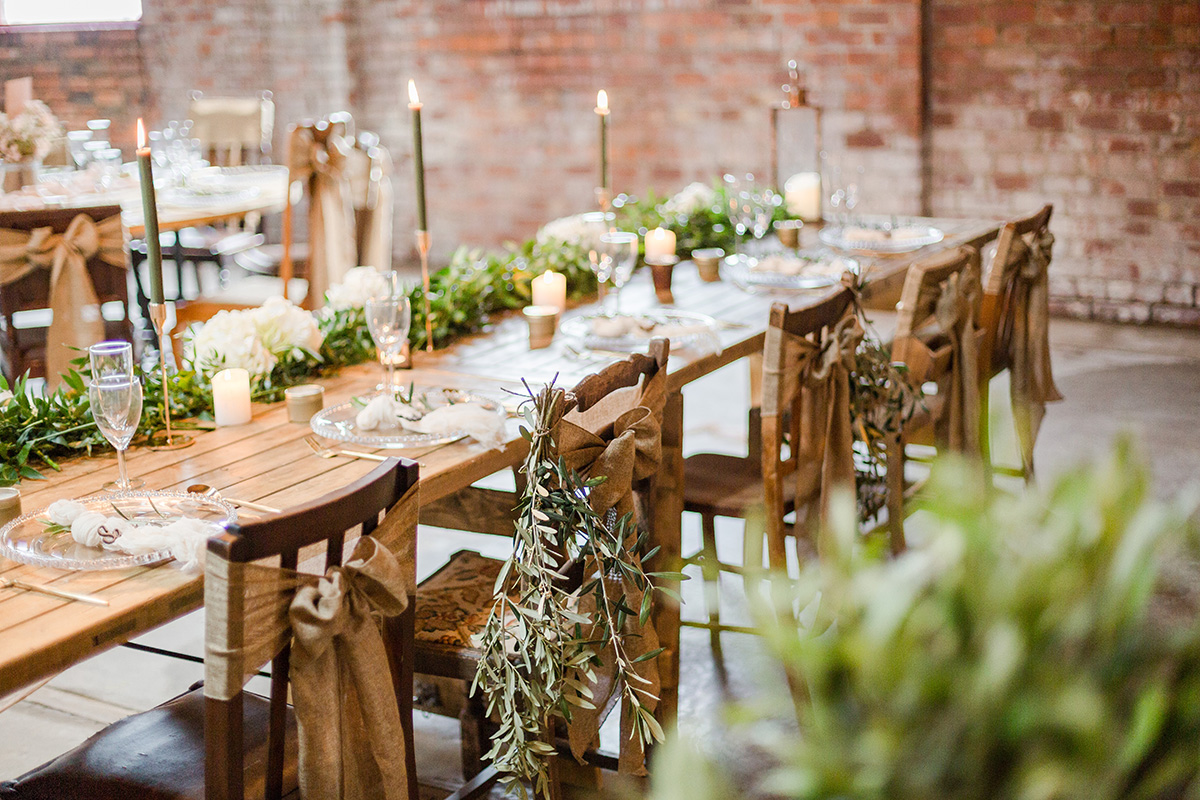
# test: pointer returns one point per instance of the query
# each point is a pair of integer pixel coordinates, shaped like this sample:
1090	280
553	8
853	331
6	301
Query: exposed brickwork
1093	105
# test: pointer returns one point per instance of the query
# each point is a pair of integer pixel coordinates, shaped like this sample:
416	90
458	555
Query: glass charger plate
806	269
879	237
241	177
25	538
192	198
338	422
631	333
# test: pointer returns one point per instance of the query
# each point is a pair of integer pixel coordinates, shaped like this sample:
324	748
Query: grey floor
1115	379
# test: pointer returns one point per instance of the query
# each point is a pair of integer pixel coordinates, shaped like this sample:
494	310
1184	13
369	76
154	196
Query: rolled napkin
857	233
382	413
615	327
483	424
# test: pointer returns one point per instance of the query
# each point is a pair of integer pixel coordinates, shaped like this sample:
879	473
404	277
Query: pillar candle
802	192
602	112
660	243
414	104
550	289
150	213
231	397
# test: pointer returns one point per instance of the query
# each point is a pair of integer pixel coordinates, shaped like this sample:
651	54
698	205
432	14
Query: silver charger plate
26	540
821	269
886	238
683	328
338	422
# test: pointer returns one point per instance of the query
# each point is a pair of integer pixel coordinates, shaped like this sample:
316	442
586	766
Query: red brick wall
81	74
1093	105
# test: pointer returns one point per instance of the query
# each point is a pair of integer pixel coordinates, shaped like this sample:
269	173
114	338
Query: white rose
85	529
360	284
692	198
64	512
5	396
284	327
231	339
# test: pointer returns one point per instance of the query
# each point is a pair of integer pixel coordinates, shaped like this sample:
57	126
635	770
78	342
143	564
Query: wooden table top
267	460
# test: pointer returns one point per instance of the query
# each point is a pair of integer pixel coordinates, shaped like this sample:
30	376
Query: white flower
360	284
231	339
64	512
691	199
87	527
5	396
572	230
285	328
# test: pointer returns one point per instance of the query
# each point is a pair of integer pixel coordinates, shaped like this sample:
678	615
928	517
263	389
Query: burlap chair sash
954	319
77	321
350	735
1032	382
331	231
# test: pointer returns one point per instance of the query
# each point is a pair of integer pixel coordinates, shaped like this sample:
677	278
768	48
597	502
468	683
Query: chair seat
727	486
453	606
158	754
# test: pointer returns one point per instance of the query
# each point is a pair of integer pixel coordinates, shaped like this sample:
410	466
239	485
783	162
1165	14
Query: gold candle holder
604	198
423	242
165	439
543	321
10	504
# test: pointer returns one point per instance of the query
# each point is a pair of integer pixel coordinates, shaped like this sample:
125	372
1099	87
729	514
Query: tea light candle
802	192
10	504
542	322
231	397
550	289
304	401
660	245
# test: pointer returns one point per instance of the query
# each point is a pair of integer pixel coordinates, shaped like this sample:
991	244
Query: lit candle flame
602	101
141	134
412	93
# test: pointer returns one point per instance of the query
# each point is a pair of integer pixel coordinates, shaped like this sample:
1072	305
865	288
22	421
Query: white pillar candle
660	243
231	397
550	289
802	192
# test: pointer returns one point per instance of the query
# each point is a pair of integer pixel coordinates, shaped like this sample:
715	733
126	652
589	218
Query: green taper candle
150	215
602	112
414	103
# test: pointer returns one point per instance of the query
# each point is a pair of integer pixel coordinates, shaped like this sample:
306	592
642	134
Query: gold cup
788	231
543	321
10	504
708	263
303	401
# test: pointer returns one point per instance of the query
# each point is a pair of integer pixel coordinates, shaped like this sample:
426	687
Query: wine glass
739	208
116	402
618	250
79	153
389	315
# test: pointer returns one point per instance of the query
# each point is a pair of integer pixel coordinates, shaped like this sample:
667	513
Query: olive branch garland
540	652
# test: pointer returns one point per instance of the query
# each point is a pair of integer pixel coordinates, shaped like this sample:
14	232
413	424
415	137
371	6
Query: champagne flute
619	249
389	314
116	402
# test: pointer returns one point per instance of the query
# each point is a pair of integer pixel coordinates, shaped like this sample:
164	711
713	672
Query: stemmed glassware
389	314
750	209
116	402
615	257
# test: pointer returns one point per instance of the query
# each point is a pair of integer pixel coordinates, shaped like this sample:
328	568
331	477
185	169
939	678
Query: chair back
805	388
370	172
25	346
233	130
1019	242
240	619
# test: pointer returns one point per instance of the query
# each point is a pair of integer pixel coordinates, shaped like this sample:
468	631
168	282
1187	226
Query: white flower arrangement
28	135
360	284
691	199
572	230
256	339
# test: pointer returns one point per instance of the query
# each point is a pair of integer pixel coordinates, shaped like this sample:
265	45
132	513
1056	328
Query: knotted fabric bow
77	321
954	314
1032	382
350	734
821	368
627	452
322	163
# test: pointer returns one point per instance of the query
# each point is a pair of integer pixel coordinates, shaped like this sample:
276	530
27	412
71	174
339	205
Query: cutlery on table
331	452
9	583
205	490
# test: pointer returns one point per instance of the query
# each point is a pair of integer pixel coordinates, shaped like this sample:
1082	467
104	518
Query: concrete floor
1114	378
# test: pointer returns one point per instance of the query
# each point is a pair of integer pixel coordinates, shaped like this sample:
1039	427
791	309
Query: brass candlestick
165	440
423	242
604	198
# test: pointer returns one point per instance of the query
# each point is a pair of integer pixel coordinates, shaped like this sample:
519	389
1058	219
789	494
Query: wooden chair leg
895	492
711	569
473	725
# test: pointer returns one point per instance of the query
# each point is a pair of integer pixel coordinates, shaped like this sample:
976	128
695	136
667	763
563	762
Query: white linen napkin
483	424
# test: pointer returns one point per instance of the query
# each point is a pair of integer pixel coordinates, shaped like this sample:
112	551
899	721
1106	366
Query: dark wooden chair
453	604
773	477
25	347
199	747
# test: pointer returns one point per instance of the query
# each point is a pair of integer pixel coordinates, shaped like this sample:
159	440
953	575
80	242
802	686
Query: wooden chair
1013	316
938	339
196	746
453	604
24	347
773	477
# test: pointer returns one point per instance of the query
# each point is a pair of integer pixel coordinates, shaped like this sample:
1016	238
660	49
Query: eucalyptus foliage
1038	647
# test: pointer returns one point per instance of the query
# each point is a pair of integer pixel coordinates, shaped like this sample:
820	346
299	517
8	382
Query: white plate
25	538
631	333
880	237
338	422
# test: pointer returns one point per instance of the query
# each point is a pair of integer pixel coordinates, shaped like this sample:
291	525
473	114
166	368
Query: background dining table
268	461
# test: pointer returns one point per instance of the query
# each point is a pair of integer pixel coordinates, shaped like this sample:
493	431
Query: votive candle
660	245
231	397
802	193
550	289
